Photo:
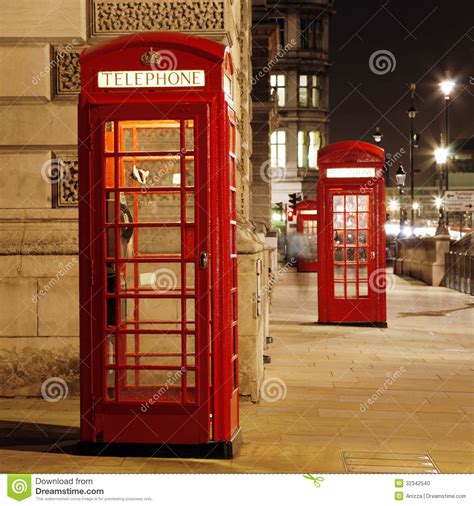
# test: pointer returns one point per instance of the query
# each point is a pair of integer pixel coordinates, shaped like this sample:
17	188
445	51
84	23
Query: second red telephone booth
351	234
158	243
307	229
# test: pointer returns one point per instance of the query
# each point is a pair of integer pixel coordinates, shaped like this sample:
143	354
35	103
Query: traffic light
293	200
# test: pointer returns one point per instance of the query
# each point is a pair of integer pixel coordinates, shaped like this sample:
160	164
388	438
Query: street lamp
414	140
447	86
441	156
377	135
400	177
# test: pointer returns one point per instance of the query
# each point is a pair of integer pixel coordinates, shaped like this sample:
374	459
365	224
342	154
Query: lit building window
278	85
308	145
309	92
278	148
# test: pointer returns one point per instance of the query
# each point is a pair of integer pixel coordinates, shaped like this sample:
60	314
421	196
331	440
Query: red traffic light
290	214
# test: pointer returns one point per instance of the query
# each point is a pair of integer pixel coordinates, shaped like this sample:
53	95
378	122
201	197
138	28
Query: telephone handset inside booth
126	251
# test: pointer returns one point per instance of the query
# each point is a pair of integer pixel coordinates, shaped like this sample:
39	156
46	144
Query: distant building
299	85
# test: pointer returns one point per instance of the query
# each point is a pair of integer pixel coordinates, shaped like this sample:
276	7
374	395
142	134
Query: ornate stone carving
181	15
67	70
66	180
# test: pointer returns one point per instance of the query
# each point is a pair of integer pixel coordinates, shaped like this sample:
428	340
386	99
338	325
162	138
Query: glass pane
338	220
350	254
363	203
109	172
338	237
152	135
338	272
351	203
350	221
363	220
110	391
303	96
362	254
110	349
151	277
351	290
351	272
159	241
350	237
338	203
339	290
362	272
189	135
339	254
363	289
109	136
362	237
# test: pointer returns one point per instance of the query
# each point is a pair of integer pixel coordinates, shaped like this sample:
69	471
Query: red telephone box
158	248
307	229
351	235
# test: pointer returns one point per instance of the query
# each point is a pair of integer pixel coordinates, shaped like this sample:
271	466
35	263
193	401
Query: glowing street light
441	155
438	202
415	206
377	136
393	205
447	87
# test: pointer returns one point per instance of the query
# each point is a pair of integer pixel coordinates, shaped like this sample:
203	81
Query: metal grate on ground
377	462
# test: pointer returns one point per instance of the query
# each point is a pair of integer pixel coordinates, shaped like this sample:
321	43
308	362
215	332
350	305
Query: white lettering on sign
351	172
459	200
151	78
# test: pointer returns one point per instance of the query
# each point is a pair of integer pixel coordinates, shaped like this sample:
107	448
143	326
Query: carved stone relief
181	15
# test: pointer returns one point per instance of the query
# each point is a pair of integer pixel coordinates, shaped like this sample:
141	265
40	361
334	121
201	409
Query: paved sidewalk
417	373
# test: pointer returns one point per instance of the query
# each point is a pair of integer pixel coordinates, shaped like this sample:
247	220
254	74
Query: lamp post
447	87
378	136
414	139
441	156
400	177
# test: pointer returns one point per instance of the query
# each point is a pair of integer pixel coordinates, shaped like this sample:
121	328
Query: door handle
204	260
372	255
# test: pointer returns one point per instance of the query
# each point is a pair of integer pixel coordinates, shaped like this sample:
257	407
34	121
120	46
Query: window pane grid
350	243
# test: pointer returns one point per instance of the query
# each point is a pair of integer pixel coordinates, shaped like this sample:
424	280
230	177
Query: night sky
429	40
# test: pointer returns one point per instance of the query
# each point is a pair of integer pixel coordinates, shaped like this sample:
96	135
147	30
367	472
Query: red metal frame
200	405
307	226
351	234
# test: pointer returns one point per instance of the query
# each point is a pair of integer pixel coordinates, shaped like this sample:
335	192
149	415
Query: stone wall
40	43
422	258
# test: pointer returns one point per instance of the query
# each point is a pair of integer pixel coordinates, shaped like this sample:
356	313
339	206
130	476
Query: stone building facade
40	43
300	85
